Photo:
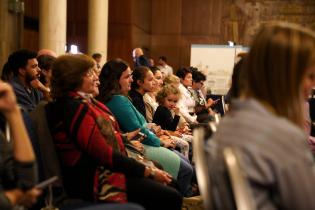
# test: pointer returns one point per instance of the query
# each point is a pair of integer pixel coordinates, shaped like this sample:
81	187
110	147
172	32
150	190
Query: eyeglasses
90	72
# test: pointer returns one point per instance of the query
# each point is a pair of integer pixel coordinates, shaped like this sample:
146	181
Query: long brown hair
109	79
139	74
276	65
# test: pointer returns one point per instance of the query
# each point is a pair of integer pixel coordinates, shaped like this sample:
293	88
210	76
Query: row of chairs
223	186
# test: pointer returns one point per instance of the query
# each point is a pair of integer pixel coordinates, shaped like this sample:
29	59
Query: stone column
52	25
11	22
98	27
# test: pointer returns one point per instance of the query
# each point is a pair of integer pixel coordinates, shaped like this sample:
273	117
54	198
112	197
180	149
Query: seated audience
186	103
98	59
115	84
139	58
164	67
89	144
45	64
174	81
27	87
149	97
143	82
167	97
266	122
203	107
151	62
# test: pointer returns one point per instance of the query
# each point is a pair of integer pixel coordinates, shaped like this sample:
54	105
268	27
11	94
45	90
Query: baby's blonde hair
165	91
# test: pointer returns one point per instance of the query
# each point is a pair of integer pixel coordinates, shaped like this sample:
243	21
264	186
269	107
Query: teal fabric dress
130	119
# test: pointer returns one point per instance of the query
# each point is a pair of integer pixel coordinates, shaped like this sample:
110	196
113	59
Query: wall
129	27
76	24
11	27
176	24
77	13
169	27
31	25
119	29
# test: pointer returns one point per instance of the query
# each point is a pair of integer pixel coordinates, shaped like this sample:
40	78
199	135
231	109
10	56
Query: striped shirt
274	154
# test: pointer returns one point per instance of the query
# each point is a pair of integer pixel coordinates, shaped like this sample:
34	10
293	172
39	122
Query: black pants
152	195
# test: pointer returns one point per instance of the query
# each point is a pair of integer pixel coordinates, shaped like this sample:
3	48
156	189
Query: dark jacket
28	99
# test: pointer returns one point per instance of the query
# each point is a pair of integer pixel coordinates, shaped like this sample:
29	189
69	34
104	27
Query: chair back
49	158
243	196
202	167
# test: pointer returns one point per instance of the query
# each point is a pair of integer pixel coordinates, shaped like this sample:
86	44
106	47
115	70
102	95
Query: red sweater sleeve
89	138
94	143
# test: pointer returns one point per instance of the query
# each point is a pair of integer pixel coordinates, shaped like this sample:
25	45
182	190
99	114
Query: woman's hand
210	103
162	176
184	129
162	133
168	142
177	133
18	197
30	197
158	175
131	135
157	130
39	86
138	145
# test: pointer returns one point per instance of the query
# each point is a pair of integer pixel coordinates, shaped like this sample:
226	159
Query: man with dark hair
164	67
27	87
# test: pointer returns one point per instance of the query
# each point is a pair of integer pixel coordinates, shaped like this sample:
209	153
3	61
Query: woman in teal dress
115	84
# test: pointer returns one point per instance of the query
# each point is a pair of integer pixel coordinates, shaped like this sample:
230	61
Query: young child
167	98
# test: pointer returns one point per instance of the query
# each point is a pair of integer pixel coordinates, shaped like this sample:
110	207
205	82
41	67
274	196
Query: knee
186	167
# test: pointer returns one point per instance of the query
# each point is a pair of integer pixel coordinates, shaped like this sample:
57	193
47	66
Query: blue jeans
185	174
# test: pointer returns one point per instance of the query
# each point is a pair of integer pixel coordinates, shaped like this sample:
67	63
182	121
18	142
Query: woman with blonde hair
266	123
172	80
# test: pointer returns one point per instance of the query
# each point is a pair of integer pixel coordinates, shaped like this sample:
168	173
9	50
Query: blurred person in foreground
266	122
17	160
